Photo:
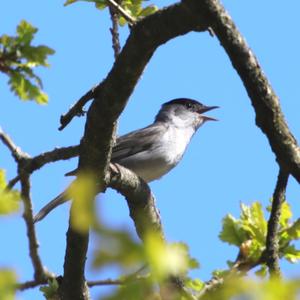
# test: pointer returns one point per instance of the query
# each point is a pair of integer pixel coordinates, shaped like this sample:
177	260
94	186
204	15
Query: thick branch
269	116
140	200
271	254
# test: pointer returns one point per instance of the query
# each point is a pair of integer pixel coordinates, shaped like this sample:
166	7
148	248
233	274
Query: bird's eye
189	105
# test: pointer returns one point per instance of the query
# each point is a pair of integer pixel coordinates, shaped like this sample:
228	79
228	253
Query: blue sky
228	162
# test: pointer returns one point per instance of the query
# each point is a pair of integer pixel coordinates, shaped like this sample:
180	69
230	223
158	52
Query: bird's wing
137	141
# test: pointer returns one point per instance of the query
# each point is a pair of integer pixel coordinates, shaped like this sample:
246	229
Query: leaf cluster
18	58
133	7
249	232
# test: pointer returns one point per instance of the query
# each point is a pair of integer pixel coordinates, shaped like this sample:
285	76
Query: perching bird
153	151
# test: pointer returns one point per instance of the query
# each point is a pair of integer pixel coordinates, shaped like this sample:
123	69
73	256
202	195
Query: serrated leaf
232	231
293	231
19	60
255	250
254	222
9	200
291	254
25	89
25	32
285	215
36	56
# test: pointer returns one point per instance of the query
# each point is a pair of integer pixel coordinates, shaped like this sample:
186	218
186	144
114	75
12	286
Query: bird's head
184	112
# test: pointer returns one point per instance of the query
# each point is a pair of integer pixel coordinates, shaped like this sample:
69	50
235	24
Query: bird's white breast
175	142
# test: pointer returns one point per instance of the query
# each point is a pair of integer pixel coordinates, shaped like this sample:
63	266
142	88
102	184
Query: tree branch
269	117
16	152
117	7
140	200
76	109
40	160
271	253
114	30
39	273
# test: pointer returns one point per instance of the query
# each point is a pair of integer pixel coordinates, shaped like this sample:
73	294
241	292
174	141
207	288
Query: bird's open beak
205	109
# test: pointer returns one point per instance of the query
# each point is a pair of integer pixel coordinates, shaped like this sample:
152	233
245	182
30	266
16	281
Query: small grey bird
153	151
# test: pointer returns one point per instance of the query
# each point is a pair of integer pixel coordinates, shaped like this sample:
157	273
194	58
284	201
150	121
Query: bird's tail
60	199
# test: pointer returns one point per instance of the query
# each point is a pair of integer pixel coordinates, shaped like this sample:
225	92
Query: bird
151	152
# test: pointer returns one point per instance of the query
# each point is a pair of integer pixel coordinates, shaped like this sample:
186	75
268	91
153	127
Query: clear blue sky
227	162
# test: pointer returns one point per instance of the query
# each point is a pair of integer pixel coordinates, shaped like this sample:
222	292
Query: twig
122	11
52	156
39	273
271	253
114	15
30	284
35	283
40	160
105	282
76	109
16	152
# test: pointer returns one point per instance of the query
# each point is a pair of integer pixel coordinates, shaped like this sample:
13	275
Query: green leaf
148	11
8	280
36	56
220	273
285	215
232	231
255	250
19	58
6	40
9	200
122	21
101	4
50	291
25	89
25	32
254	222
68	2
262	272
291	254
194	284
294	230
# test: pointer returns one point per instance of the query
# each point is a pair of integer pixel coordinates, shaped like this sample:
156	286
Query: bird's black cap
191	104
